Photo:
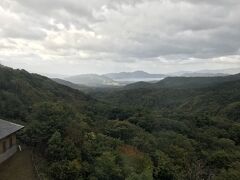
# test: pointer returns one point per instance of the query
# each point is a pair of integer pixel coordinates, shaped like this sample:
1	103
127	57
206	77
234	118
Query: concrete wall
8	153
10	150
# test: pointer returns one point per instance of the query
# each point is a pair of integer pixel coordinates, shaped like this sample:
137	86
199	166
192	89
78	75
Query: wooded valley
180	128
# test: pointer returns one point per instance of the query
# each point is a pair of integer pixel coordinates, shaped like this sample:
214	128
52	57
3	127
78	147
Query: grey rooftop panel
7	128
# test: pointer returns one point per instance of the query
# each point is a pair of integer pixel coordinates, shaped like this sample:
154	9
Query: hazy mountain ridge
125	78
113	79
92	80
224	71
185	82
201	74
70	84
135	74
206	72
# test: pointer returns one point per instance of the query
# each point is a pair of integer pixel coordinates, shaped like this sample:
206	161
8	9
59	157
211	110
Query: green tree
107	167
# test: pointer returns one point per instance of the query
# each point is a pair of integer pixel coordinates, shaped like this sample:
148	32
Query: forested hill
195	82
195	118
71	132
214	99
185	82
20	90
150	133
194	94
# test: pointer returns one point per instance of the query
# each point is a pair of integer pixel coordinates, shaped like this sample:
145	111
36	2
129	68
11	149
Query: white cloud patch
119	35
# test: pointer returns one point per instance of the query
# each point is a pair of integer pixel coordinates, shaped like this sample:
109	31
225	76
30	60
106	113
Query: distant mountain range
92	80
207	73
223	71
112	79
200	74
134	75
125	78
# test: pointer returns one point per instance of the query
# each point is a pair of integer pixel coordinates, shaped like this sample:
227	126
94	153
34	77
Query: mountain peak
135	74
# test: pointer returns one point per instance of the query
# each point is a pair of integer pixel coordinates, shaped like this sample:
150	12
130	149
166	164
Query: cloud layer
77	36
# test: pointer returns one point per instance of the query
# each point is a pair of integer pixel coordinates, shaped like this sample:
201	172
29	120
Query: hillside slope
69	130
20	90
196	118
195	82
153	133
185	82
71	85
177	91
215	98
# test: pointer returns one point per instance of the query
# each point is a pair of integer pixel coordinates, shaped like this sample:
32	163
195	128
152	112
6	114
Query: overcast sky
100	36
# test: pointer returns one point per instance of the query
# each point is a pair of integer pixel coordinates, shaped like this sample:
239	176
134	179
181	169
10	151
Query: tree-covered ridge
203	121
20	90
195	82
185	82
219	91
144	133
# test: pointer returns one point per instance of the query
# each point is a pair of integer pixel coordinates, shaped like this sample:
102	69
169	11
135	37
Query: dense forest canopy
176	129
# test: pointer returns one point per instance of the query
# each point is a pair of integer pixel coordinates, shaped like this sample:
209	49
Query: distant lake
138	79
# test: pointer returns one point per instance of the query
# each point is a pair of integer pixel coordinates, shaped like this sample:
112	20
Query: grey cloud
46	7
129	30
23	33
